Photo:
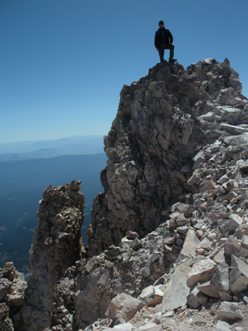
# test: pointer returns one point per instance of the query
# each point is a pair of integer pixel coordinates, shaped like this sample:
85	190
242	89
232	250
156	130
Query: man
163	40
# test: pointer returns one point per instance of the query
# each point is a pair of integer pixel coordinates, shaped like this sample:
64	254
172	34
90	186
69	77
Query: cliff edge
159	127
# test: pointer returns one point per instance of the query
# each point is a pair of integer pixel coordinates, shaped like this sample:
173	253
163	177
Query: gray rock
220	279
222	326
192	300
202	271
205	244
124	327
209	290
236	219
123	307
244	241
151	295
177	281
233	129
229	312
5	286
150	327
238	275
190	244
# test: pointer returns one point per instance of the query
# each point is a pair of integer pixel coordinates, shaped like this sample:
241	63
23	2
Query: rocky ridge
168	244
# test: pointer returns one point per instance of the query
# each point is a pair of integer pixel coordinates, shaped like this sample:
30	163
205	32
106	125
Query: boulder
209	290
201	272
123	307
238	275
150	327
123	327
222	326
220	279
151	295
178	281
190	244
229	312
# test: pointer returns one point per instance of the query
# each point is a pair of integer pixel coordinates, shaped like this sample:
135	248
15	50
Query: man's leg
171	53
161	54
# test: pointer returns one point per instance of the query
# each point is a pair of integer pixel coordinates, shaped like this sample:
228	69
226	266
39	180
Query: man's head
161	24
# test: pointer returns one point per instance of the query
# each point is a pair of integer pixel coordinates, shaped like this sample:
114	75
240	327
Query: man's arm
170	37
156	40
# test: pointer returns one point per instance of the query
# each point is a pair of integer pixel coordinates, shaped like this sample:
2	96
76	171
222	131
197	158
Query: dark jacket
163	37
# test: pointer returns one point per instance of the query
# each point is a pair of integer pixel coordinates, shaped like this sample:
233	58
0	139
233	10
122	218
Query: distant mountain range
75	145
25	175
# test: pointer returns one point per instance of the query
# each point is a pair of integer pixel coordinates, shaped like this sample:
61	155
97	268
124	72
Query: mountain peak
158	129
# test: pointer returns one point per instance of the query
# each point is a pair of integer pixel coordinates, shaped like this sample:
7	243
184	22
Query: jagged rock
191	243
151	295
206	244
238	275
178	280
244	241
132	235
98	280
12	289
209	290
220	279
123	307
229	312
196	299
150	327
5	322
222	326
5	285
202	271
233	129
56	246
152	138
122	327
233	247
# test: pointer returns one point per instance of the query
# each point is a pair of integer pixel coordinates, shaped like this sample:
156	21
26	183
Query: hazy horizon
9	142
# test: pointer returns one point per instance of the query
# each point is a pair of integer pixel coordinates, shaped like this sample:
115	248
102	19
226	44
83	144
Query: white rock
244	241
190	244
150	327
124	327
222	326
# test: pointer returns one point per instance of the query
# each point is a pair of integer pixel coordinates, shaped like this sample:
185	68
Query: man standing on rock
163	40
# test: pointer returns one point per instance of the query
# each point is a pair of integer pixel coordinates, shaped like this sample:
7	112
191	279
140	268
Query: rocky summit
168	241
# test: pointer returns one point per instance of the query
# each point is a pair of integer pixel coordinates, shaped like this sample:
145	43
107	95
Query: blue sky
64	62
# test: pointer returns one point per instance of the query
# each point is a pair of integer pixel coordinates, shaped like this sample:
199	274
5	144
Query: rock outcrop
12	289
150	147
56	246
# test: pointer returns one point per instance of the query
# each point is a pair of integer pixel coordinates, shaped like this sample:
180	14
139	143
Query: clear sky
64	62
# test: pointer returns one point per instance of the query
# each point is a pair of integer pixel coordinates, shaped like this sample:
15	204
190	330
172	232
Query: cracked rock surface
161	121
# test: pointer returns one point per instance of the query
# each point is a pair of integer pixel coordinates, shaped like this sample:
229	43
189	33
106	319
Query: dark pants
161	52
